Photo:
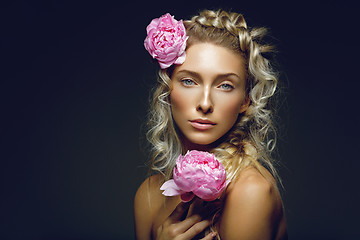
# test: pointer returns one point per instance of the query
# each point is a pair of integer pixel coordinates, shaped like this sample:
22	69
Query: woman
213	97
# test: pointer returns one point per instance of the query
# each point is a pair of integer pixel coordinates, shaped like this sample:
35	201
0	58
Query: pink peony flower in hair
166	40
197	173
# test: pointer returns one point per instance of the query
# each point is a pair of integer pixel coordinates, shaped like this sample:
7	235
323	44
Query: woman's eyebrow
192	73
218	76
225	75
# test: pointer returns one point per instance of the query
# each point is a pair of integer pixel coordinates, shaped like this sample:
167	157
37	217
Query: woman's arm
252	210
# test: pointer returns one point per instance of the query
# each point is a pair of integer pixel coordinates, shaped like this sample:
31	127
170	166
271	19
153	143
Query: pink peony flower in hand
197	173
166	40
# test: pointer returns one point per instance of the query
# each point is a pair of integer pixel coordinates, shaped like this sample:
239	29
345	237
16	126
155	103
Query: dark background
74	90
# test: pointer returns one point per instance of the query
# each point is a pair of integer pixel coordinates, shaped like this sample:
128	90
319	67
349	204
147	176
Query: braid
231	22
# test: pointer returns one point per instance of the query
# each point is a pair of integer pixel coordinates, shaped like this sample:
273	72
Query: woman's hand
184	224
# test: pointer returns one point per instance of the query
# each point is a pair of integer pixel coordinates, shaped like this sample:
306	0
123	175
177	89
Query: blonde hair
252	138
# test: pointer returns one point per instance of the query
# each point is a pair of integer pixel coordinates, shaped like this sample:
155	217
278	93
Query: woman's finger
195	207
179	212
196	229
204	209
189	222
209	236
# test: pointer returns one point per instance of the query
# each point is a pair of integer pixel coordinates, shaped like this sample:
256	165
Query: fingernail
213	234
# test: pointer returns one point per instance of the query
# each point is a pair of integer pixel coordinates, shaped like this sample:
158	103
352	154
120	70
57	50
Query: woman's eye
188	82
226	86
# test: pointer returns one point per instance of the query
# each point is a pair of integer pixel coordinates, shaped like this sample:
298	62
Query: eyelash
190	82
228	86
187	82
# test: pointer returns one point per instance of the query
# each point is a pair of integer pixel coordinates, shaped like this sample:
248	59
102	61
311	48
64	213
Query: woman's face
208	93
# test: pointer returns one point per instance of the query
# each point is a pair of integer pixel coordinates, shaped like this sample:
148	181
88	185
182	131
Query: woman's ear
245	105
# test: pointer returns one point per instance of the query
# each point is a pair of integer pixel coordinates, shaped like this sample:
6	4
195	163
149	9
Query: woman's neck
188	146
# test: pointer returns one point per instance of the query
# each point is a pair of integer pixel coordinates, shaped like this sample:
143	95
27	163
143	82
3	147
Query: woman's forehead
211	59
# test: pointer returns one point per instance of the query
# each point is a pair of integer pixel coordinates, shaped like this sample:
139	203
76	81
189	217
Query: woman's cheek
182	99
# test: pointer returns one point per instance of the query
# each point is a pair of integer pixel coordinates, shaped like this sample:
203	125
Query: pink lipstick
201	124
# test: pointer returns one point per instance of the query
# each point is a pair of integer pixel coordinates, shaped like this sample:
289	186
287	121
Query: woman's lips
201	124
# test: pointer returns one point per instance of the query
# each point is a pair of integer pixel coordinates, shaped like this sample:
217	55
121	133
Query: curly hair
252	139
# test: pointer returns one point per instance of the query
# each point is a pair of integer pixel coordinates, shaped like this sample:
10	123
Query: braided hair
252	139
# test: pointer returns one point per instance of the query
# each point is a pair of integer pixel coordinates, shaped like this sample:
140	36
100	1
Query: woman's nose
205	104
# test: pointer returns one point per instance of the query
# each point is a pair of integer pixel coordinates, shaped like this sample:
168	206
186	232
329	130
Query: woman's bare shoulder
252	179
252	202
147	201
150	186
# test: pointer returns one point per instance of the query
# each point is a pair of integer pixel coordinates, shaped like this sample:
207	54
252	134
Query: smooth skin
210	85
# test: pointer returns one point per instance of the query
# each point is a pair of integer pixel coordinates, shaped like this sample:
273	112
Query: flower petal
180	59
170	188
184	182
207	194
